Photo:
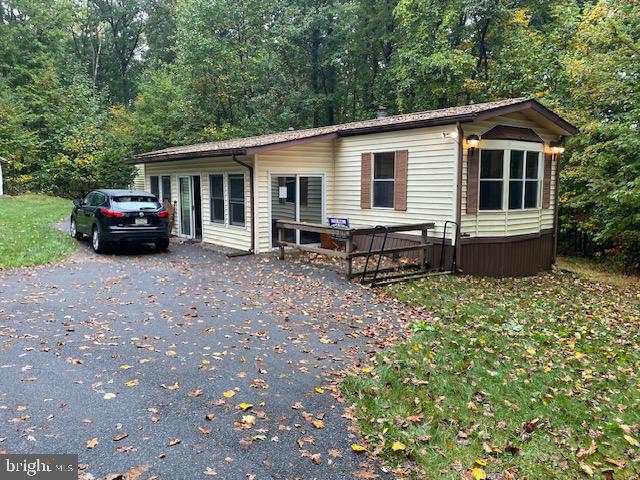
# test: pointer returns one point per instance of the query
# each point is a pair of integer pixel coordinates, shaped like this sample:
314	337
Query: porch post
349	261
280	240
423	250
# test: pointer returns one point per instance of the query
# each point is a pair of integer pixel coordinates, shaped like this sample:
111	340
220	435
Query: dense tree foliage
86	83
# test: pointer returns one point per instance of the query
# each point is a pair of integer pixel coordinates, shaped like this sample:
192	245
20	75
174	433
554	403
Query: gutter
458	248
252	250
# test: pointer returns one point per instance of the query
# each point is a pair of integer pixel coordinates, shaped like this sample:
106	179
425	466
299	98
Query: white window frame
279	173
228	199
505	160
374	179
507	146
523	180
162	192
224	201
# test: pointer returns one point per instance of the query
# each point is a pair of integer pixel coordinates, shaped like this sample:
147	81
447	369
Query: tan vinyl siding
509	222
215	233
313	158
431	177
138	180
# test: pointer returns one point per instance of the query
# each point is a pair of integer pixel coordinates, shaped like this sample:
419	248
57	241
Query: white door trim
286	173
191	207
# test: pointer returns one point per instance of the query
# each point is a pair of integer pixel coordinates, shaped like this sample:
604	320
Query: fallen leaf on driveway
366	474
318	423
120	436
92	443
229	394
174	442
175	386
358	448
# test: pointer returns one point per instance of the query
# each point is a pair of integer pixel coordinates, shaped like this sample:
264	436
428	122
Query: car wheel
97	243
162	244
73	230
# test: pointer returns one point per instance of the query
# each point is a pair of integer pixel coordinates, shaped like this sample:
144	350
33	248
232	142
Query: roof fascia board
168	157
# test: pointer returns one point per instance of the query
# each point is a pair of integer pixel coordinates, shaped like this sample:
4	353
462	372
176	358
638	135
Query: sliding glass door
296	198
184	186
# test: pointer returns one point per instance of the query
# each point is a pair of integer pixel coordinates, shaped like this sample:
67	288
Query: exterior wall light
473	141
453	135
555	148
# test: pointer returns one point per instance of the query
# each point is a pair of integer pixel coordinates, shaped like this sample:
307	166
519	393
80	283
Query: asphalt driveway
142	363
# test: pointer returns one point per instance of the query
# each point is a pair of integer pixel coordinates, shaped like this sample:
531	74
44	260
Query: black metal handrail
377	228
444	236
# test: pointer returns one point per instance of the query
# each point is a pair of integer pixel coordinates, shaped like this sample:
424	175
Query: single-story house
492	168
2	160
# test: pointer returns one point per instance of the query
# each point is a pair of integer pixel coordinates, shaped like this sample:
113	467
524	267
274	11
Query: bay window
524	181
513	175
491	179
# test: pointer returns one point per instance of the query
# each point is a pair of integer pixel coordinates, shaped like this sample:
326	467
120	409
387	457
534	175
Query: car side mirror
77	203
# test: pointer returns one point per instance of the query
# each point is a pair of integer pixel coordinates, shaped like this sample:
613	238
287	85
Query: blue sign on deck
338	222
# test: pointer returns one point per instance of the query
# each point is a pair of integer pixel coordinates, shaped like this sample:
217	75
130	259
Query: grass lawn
532	378
26	237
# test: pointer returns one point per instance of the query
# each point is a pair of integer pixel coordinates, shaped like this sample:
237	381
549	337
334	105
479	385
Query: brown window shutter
365	181
304	191
473	170
546	181
400	174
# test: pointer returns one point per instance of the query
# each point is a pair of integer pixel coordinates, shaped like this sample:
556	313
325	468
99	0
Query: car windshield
138	202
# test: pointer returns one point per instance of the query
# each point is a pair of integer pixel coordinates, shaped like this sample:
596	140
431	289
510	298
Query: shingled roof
445	116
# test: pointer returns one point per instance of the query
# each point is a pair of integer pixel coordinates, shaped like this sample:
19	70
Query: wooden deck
347	235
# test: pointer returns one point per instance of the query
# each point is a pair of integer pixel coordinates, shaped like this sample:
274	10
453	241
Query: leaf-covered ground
532	378
26	237
187	364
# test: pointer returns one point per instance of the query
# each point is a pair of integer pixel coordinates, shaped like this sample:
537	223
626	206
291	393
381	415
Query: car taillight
163	213
111	213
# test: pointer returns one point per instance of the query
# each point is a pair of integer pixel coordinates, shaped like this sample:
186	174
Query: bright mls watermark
35	466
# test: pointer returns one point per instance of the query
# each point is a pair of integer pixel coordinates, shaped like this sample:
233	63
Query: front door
296	198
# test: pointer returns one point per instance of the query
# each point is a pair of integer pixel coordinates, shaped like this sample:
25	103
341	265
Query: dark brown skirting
516	256
507	256
404	240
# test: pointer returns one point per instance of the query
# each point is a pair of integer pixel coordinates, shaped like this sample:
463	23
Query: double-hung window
383	179
524	180
236	200
491	179
216	198
166	188
155	185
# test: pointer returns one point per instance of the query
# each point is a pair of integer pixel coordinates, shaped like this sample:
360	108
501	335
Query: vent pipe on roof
382	112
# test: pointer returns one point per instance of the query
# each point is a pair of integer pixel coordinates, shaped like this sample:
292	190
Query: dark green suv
109	216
